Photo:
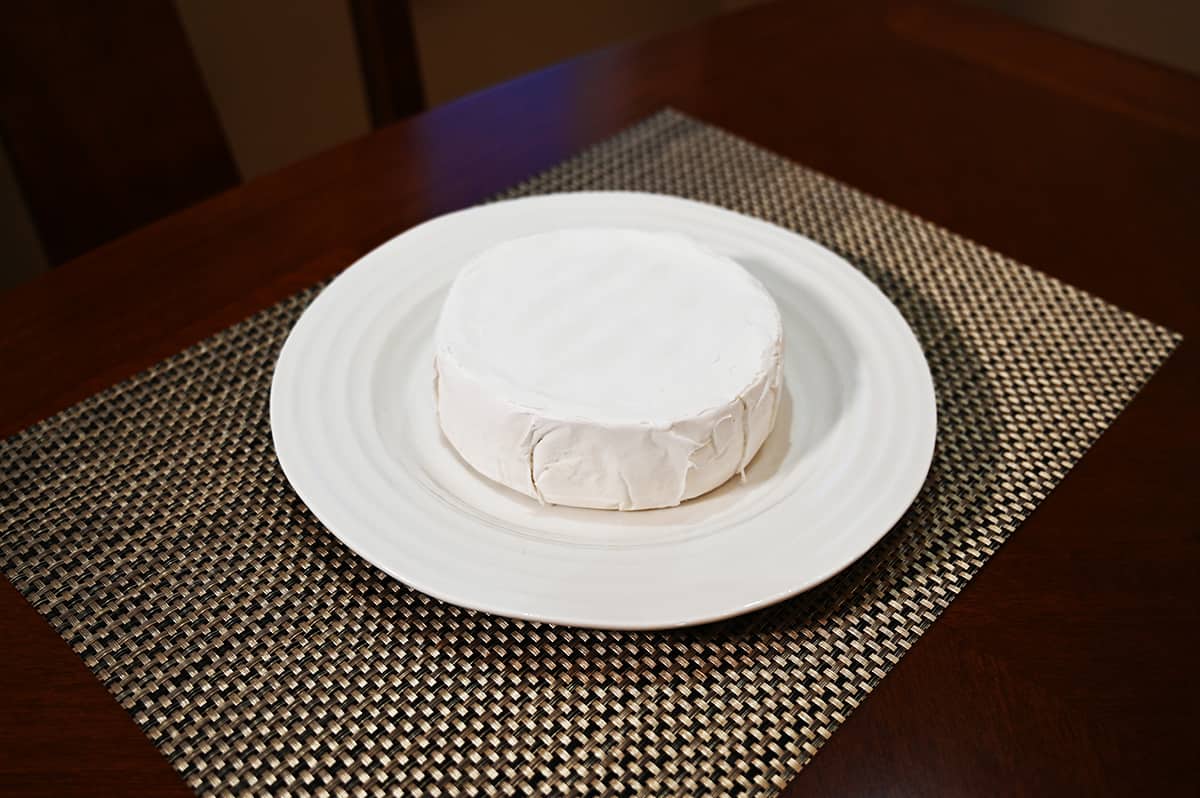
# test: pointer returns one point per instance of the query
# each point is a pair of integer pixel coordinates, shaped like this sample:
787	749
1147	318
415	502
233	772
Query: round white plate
353	421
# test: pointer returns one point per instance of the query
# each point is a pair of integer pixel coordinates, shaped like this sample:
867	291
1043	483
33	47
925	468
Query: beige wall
283	74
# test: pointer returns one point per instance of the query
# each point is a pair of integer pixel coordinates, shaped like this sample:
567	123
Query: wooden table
1068	665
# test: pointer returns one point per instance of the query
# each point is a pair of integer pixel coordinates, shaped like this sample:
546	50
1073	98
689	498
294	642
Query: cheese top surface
617	325
607	368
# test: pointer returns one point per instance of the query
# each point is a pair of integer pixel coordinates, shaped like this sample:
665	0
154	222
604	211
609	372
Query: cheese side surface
607	368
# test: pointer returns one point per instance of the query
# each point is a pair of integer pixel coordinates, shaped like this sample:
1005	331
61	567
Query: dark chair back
106	119
109	125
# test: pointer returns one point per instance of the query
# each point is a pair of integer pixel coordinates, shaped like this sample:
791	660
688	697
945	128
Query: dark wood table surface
1068	665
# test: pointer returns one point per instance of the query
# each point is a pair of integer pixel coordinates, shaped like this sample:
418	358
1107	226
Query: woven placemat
152	527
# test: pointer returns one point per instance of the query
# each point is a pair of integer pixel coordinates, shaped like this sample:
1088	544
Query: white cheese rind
610	369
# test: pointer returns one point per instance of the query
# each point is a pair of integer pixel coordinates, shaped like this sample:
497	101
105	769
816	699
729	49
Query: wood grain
1066	667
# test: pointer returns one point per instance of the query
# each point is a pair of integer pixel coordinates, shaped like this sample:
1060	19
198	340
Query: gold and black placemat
152	527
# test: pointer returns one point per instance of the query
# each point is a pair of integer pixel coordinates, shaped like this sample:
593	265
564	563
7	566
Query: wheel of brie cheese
607	368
